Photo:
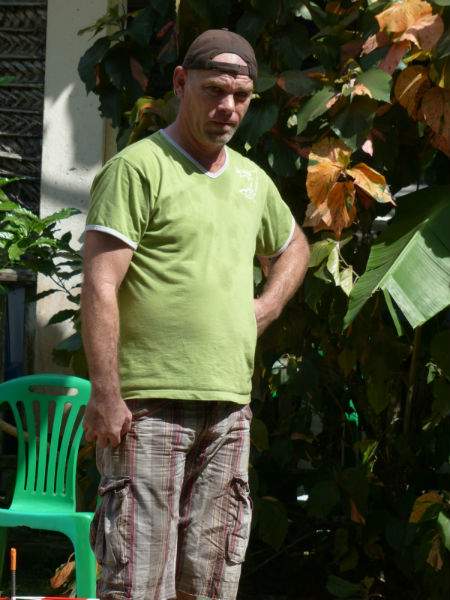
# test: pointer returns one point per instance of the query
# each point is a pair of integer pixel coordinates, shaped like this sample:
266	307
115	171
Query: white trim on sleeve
284	246
114	233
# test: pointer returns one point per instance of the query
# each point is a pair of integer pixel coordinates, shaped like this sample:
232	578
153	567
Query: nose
227	103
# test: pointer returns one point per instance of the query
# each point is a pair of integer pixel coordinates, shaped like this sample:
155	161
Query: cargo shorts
175	509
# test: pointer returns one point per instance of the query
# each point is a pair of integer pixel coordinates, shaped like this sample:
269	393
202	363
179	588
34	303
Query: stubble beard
221	138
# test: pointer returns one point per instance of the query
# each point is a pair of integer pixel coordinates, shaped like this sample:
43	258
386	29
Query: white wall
73	145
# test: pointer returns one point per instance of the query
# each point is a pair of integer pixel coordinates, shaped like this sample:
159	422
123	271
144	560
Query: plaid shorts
175	510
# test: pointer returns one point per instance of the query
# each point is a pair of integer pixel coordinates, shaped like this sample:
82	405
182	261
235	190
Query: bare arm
285	274
106	261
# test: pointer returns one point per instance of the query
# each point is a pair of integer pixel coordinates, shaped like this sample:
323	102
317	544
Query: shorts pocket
240	516
110	528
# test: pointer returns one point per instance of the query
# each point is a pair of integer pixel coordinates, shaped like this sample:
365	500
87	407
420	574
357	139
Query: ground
39	553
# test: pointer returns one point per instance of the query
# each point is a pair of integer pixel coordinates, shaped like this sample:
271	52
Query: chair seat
42	520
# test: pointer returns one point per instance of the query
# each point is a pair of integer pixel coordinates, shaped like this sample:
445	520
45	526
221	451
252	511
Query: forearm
100	322
285	274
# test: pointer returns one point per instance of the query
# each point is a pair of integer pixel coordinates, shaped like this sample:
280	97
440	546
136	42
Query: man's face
214	103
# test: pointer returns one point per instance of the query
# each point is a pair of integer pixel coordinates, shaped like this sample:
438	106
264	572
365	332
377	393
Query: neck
211	157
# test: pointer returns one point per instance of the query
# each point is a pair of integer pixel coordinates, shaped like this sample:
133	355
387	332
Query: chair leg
3	545
85	566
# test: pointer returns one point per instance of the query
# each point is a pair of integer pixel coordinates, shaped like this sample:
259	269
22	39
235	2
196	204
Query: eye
242	96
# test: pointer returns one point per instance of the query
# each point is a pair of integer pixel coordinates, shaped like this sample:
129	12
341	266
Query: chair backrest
48	422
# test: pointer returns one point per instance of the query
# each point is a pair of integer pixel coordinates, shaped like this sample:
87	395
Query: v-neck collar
193	160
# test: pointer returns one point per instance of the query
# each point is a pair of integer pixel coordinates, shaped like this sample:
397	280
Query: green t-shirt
187	325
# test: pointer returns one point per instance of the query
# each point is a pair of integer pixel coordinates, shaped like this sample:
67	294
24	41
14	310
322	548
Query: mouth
223	125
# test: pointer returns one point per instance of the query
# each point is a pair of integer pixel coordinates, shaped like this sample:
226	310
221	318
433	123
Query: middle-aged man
170	326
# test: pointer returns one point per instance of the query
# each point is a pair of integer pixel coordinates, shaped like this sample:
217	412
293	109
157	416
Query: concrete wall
73	146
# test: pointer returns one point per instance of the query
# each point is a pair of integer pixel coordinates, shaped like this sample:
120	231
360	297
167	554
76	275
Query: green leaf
399	533
377	396
292	45
264	82
441	393
393	313
283	159
340	588
323	498
411	258
64	213
297	83
259	119
346	280
117	65
15	251
273	522
60	316
215	12
378	83
250	26
444	527
89	60
353	123
71	344
314	107
259	435
110	106
333	264
43	294
320	251
141	26
8	205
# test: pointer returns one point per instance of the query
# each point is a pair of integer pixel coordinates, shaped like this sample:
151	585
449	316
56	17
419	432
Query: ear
180	77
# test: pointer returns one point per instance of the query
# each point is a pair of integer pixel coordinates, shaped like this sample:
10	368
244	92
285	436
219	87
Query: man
173	227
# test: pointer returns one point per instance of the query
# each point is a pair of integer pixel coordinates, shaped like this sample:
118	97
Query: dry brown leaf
62	575
394	56
327	162
138	73
313	216
356	516
371	182
426	32
441	142
321	178
331	149
410	87
373	42
401	16
434	557
422	504
435	110
336	213
361	90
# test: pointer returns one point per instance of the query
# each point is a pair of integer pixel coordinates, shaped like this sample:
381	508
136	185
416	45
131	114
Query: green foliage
31	242
350	441
410	254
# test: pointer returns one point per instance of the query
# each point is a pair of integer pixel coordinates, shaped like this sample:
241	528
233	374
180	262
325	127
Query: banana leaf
410	260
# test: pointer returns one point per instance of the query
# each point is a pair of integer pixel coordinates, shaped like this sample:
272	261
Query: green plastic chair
44	493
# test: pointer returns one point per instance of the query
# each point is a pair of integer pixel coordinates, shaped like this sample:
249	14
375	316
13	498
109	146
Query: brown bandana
213	42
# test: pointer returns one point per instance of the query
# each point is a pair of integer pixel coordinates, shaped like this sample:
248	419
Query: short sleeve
120	202
277	225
